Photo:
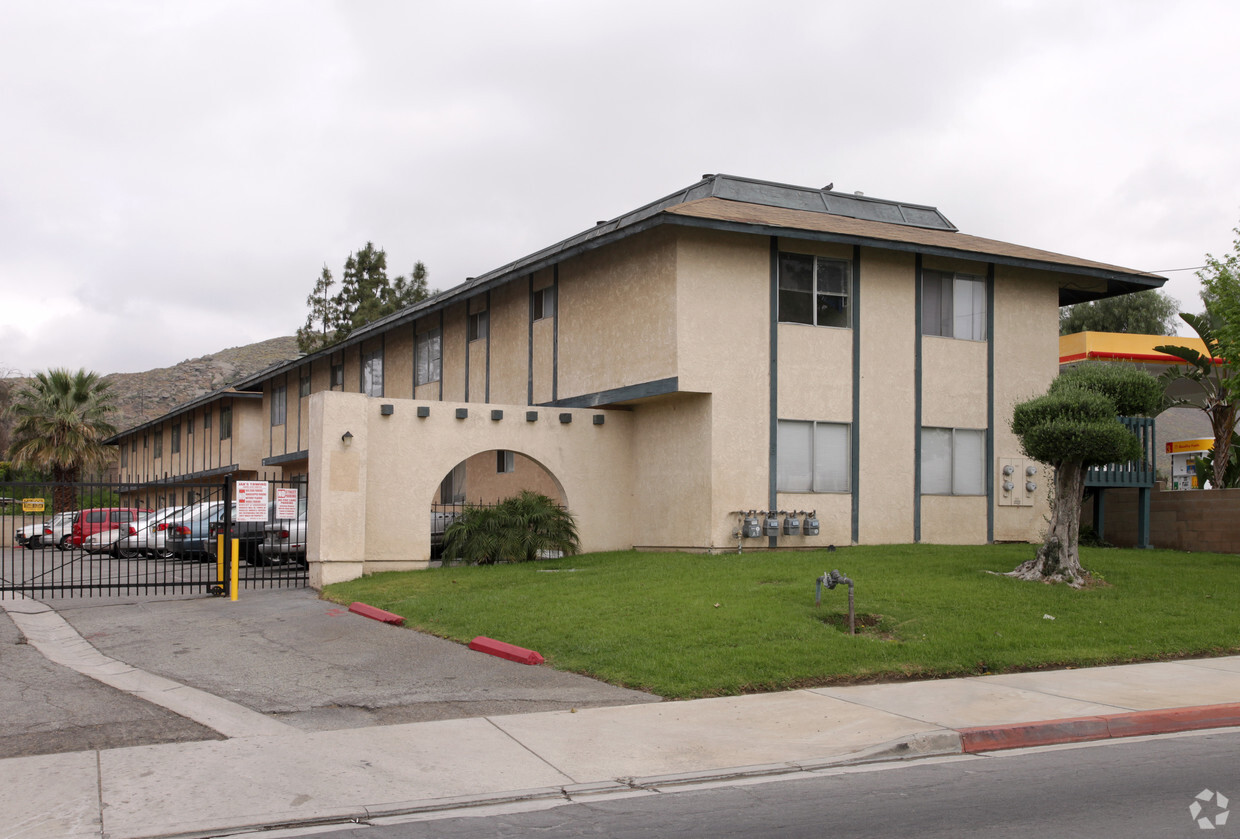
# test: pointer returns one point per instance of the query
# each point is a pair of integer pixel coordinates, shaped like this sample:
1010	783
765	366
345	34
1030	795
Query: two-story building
736	346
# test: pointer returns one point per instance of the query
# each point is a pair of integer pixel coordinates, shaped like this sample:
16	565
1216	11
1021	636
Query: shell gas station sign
1185	455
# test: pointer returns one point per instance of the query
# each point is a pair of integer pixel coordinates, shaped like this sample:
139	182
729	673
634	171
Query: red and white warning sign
251	501
286	502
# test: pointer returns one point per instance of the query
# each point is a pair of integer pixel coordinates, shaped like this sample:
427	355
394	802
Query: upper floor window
953	461
279	404
544	303
174	443
226	423
505	462
372	373
158	448
813	456
953	305
303	385
814	290
337	374
429	351
124	456
478	325
189	425
206	419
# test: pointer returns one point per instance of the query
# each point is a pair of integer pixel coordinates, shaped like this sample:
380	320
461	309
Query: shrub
518	529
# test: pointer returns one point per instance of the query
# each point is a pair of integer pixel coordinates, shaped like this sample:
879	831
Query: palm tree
518	529
61	423
1215	377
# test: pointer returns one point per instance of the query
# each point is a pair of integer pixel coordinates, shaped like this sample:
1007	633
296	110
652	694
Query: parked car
249	535
285	542
42	533
187	537
88	522
149	537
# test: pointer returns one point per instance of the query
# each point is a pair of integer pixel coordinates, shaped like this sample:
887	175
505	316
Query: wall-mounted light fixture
346	437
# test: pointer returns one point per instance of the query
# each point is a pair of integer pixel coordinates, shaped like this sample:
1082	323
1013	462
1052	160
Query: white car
42	533
149	538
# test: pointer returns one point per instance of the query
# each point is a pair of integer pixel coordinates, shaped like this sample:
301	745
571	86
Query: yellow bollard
236	557
219	558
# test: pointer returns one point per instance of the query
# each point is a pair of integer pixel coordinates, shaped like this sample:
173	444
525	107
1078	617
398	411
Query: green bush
522	528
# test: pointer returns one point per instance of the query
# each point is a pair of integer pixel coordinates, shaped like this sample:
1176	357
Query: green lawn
691	625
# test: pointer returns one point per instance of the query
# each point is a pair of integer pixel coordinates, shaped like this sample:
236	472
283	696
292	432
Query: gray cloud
174	176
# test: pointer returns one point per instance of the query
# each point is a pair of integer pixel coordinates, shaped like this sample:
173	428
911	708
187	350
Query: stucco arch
368	490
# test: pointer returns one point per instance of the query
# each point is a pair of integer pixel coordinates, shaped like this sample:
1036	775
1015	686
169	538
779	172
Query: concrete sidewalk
267	773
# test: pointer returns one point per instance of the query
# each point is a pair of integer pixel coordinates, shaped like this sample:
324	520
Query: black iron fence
97	540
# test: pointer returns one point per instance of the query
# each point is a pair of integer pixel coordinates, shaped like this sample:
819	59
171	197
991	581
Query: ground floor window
953	461
813	456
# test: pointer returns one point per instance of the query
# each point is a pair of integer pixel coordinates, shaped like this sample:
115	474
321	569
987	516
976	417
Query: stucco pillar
336	524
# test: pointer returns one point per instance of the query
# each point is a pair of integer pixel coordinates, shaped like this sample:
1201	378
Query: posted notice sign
286	502
251	501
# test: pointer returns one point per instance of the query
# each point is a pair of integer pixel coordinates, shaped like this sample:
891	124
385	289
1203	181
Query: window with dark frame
505	463
279	404
544	303
372	373
953	461
226	423
813	456
478	323
174	442
337	374
429	351
815	290
303	385
159	445
953	305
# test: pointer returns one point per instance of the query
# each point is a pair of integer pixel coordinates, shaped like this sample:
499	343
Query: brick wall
1182	520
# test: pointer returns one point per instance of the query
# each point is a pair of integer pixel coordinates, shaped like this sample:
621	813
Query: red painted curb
509	651
1103	727
376	614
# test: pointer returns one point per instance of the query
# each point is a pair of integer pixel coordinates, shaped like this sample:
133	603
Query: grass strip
692	625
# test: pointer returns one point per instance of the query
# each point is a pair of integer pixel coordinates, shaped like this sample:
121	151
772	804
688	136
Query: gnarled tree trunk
1059	558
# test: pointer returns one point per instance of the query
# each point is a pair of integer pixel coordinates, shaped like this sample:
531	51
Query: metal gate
100	540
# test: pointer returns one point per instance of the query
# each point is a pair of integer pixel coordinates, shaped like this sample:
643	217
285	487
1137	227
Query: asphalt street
1136	789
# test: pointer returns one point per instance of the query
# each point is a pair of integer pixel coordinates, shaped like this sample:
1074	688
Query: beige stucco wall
1026	361
510	323
374	494
617	315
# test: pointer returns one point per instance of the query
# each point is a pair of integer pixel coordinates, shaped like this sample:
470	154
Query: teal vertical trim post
486	390
854	479
917	326
773	455
555	334
990	402
529	364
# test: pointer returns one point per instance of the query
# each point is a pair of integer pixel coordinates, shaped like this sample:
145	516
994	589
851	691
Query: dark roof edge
230	392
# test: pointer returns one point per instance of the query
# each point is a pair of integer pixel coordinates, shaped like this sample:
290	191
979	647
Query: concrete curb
991	738
929	744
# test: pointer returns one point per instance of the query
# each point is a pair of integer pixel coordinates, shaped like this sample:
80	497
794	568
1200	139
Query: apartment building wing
739	345
199	442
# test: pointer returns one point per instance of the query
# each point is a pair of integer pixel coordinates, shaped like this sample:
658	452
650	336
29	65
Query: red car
88	522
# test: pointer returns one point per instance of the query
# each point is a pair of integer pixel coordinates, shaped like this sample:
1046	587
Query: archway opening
485	479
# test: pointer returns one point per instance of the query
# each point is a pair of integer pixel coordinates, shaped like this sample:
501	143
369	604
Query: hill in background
140	397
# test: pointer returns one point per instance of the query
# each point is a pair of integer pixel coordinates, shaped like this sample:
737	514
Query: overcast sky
173	176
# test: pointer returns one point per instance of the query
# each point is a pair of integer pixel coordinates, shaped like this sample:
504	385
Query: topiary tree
517	529
1073	426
